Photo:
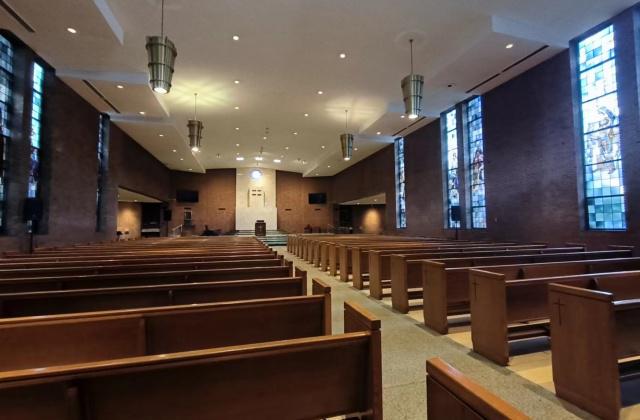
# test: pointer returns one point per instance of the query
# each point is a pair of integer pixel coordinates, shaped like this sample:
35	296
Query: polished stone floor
407	344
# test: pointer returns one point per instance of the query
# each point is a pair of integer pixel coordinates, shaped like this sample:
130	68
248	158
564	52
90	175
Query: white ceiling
125	195
288	50
377	199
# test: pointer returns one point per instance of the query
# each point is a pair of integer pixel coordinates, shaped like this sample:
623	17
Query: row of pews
585	303
190	328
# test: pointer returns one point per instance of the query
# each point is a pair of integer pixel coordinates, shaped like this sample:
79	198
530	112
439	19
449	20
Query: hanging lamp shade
346	141
162	54
412	92
412	86
195	134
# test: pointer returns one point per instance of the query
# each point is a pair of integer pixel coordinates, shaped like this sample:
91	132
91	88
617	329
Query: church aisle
406	345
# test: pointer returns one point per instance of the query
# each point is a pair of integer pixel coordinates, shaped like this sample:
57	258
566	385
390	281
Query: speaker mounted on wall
455	214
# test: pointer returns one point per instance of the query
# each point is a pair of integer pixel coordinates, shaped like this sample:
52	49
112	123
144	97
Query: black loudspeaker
166	215
455	213
32	209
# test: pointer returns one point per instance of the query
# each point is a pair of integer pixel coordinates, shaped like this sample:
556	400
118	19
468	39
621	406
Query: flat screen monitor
317	198
187	196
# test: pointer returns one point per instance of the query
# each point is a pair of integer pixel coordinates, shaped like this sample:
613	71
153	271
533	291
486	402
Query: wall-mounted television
186	196
318	198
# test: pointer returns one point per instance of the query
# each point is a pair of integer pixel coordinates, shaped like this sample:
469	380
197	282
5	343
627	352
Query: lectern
261	228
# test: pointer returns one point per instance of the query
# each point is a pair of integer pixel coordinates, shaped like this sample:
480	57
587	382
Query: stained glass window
102	150
604	187
6	76
36	130
401	206
450	120
476	163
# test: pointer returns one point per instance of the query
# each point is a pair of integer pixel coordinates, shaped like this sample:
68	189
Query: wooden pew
406	284
104	299
86	337
446	290
525	307
379	261
30	284
133	261
315	377
451	395
355	257
136	256
134	268
591	331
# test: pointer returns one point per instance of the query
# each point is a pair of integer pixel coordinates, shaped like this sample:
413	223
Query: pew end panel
585	365
434	294
375	274
399	284
358	319
450	394
321	288
489	324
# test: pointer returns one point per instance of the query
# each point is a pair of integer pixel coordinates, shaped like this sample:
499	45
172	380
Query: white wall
262	205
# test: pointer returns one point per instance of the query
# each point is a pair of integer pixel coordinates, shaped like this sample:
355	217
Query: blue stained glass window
401	205
36	130
476	163
102	154
6	78
451	165
603	180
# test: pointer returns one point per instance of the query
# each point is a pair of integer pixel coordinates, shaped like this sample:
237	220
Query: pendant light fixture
346	139
412	91
195	127
161	54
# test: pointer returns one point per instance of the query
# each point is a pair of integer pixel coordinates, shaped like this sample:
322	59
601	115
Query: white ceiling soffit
125	195
282	61
371	200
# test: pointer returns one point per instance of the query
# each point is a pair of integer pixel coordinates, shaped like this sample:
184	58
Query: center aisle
406	345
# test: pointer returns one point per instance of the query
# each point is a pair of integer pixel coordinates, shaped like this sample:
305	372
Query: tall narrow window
476	163
401	205
604	187
102	149
36	130
6	75
450	120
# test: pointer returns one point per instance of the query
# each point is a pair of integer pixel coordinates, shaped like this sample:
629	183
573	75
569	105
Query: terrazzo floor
407	344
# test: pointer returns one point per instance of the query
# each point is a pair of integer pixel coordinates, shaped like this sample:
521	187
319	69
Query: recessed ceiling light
355	148
142	112
509	46
264	137
72	30
306	115
237	82
304	162
239	158
190	169
174	150
236	107
378	133
342	55
237	144
276	161
322	147
328	166
120	87
237	128
160	135
236	38
320	92
295	133
259	158
402	116
286	147
238	154
181	158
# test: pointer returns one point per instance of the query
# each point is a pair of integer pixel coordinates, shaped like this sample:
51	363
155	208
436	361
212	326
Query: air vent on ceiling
100	95
14	14
536	52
